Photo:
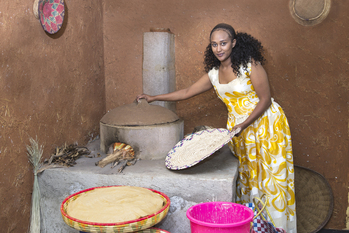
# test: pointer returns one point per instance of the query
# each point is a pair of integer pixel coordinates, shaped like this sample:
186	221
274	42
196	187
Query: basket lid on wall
309	12
139	114
51	15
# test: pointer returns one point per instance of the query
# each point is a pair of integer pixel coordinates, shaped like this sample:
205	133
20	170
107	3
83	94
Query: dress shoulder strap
213	75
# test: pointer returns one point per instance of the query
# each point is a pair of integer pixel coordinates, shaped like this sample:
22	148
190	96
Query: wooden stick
110	158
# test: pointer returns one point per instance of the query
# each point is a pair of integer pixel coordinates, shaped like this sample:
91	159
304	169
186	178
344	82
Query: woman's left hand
238	128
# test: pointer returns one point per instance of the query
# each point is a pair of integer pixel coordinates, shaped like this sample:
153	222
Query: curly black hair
246	48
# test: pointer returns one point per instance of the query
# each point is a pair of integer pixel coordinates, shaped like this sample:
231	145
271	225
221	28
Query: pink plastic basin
219	217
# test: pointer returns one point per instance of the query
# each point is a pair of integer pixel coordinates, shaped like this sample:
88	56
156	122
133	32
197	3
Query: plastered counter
214	179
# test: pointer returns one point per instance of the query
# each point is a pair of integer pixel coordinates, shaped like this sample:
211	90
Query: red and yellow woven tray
149	230
153	230
129	226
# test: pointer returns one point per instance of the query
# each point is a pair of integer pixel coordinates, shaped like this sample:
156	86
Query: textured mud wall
51	87
307	68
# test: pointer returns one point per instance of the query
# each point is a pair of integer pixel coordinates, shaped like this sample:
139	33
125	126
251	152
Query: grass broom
34	154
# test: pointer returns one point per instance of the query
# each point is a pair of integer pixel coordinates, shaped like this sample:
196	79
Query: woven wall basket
314	200
309	12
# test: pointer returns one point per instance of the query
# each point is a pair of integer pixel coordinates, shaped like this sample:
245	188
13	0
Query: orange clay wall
51	87
58	87
307	69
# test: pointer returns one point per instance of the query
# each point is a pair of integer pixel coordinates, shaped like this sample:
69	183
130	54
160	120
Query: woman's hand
238	128
148	98
200	86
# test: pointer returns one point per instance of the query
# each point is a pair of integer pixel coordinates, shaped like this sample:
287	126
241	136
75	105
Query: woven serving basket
149	230
129	226
153	230
196	147
51	15
309	12
314	200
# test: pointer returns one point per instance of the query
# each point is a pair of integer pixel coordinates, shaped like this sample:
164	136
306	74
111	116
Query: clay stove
151	130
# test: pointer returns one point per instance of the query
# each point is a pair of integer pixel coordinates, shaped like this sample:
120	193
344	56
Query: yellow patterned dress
264	149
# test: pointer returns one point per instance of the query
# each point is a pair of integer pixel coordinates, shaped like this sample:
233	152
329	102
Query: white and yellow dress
264	149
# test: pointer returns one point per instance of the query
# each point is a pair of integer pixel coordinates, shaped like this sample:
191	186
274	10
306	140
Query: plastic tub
219	217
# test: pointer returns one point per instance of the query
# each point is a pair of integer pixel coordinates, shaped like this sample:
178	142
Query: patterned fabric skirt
264	150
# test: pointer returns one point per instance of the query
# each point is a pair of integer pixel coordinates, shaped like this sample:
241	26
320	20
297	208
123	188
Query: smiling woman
233	62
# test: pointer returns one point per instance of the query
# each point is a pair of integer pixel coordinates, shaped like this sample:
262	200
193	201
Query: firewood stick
109	159
131	162
122	166
116	162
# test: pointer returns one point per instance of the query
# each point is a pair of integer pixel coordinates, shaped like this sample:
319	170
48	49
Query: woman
233	63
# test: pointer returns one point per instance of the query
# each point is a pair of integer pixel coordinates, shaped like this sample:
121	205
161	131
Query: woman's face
222	45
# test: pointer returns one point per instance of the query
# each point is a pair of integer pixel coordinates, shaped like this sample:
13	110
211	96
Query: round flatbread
115	204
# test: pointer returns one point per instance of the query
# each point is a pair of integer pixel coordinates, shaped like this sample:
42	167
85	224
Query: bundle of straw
34	154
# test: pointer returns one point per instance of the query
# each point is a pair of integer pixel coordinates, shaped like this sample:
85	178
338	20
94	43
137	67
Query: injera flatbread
115	204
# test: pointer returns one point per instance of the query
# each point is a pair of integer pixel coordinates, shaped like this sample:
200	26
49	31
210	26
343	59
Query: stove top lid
139	114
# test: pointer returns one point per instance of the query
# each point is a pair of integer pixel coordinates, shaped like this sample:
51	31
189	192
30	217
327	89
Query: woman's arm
200	86
260	83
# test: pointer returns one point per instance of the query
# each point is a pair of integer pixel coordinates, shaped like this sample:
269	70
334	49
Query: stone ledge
211	180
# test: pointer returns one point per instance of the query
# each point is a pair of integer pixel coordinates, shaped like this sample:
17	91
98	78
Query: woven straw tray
129	226
196	147
149	230
153	230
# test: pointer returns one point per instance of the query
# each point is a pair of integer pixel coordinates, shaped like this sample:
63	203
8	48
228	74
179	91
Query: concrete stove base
211	180
149	142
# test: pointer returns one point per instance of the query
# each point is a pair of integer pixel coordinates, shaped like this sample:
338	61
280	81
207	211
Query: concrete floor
332	231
